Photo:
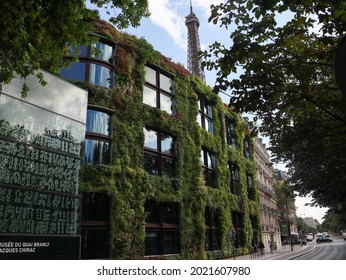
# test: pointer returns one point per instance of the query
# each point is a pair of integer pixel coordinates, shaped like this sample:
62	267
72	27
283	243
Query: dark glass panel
95	244
207	241
211	179
216	240
171	213
153	212
98	122
95	207
96	152
151	164
168	167
171	242
152	243
75	72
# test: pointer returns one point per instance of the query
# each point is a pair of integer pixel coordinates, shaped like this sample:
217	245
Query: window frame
88	59
161	156
162	227
235	182
159	90
247	147
231	138
213	230
204	106
209	171
101	225
250	186
238	221
89	135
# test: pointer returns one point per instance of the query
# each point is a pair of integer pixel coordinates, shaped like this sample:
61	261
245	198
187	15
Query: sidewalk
283	254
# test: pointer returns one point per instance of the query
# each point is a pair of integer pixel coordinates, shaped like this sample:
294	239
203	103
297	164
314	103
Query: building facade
168	168
266	181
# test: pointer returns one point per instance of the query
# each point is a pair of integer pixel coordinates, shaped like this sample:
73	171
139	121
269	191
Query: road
335	250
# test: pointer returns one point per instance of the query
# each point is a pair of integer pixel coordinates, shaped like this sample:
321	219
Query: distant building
268	201
310	222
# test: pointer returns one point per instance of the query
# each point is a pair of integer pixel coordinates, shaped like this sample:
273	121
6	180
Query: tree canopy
38	34
286	76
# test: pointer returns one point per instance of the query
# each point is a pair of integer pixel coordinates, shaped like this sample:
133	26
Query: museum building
168	170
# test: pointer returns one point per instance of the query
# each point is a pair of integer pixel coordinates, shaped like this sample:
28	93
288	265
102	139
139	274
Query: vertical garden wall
130	187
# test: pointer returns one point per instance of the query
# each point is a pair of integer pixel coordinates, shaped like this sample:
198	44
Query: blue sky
166	31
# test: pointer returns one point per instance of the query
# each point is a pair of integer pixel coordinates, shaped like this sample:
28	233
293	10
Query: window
235	178
238	225
95	226
158	90
159	153
250	187
247	148
96	65
162	229
213	232
205	115
208	161
98	137
230	132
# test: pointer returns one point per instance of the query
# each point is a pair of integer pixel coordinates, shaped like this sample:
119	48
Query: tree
334	222
287	79
39	33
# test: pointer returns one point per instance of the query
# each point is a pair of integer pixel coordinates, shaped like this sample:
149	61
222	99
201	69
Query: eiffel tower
193	45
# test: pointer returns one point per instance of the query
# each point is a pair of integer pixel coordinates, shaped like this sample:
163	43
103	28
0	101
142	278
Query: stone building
266	181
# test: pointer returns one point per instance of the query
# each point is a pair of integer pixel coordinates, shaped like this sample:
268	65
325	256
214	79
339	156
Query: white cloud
164	13
170	16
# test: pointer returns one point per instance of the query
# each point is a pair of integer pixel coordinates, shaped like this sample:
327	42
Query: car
323	239
309	237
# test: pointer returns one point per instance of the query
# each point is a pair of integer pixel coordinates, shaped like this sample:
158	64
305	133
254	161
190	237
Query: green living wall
125	180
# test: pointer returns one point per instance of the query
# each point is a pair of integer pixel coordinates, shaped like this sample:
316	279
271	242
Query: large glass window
96	65
95	226
213	232
98	137
159	153
158	90
162	229
250	187
208	160
205	115
247	148
238	225
235	178
231	132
